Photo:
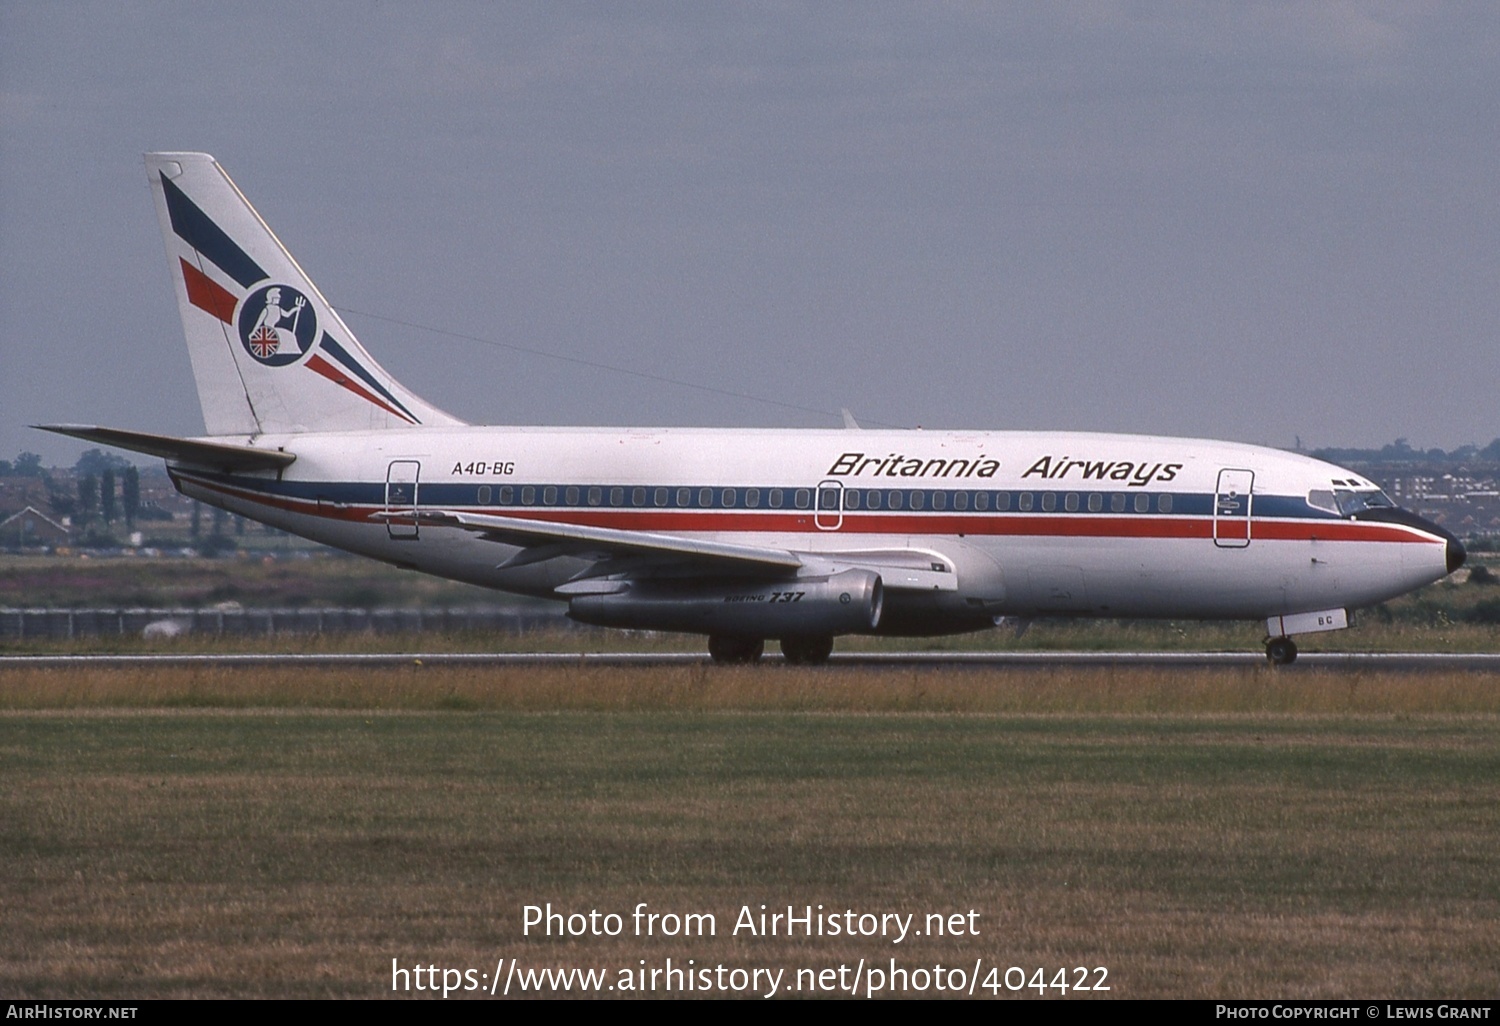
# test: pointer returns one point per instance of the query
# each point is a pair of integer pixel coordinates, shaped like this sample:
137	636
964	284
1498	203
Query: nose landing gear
1281	651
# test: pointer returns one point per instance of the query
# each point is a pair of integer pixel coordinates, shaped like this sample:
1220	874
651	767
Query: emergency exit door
401	497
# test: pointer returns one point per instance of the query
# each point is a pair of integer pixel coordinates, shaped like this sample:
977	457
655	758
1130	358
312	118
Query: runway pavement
1402	661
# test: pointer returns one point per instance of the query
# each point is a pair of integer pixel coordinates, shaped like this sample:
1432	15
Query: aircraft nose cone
1456	554
1453	551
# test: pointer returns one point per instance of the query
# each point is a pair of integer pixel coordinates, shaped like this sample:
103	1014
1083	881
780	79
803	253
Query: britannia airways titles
1048	468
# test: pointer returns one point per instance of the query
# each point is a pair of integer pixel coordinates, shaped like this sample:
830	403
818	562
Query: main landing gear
1281	651
728	651
807	651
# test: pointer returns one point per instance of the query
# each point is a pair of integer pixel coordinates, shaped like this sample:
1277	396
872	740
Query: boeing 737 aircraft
794	535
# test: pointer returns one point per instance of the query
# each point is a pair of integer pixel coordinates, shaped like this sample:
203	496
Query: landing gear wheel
730	650
807	651
1281	651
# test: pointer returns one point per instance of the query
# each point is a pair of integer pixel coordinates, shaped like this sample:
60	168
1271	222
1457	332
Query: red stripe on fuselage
338	377
917	526
207	294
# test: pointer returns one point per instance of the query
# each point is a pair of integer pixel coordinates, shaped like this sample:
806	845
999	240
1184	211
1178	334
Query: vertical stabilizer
269	354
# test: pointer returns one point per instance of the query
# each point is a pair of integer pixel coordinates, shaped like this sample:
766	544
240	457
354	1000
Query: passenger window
802	497
1142	503
660	497
960	500
851	499
1117	504
705	497
873	501
572	496
1049	502
617	496
1070	502
596	496
684	496
484	495
1096	502
1164	503
939	500
729	498
638	496
916	500
752	498
894	500
507	495
549	495
981	500
1002	501
775	498
528	495
1024	502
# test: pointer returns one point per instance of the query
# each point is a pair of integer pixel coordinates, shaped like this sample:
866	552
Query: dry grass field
1240	833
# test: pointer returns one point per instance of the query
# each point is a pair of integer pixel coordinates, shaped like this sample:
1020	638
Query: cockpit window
1322	498
1346	501
1352	502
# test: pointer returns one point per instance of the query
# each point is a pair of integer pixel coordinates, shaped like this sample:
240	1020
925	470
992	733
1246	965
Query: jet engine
844	603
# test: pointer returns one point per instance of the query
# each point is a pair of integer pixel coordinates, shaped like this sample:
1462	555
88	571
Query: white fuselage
1028	523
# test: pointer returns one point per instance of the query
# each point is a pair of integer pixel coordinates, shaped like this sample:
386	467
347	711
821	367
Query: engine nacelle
845	603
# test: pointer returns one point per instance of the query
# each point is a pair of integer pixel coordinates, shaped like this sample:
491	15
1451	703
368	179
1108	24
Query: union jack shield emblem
277	325
264	342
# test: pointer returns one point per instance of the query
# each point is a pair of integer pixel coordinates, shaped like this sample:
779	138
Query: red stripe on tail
207	294
338	377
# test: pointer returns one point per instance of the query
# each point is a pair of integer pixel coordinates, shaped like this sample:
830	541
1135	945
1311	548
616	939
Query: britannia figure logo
277	325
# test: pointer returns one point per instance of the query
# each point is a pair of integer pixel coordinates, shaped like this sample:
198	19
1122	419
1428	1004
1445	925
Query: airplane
800	536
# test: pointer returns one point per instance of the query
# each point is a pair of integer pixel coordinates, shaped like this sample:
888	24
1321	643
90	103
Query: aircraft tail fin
269	354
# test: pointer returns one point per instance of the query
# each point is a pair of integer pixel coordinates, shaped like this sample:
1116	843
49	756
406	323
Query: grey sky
1233	220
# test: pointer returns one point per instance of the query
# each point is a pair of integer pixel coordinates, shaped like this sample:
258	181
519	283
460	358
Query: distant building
16	493
30	529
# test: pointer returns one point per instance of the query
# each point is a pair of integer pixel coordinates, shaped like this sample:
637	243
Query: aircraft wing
542	539
624	552
220	455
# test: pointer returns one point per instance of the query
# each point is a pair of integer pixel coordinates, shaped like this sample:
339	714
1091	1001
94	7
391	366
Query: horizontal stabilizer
219	455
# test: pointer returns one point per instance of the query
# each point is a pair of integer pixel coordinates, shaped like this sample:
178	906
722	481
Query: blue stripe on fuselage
465	495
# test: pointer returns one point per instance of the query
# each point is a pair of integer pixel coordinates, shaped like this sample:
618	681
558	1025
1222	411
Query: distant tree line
28	464
107	488
1401	451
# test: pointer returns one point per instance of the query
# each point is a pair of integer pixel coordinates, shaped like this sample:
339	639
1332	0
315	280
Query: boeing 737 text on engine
798	536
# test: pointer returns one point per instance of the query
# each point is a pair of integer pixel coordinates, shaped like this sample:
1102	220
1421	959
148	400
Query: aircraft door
829	512
1232	500
401	496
